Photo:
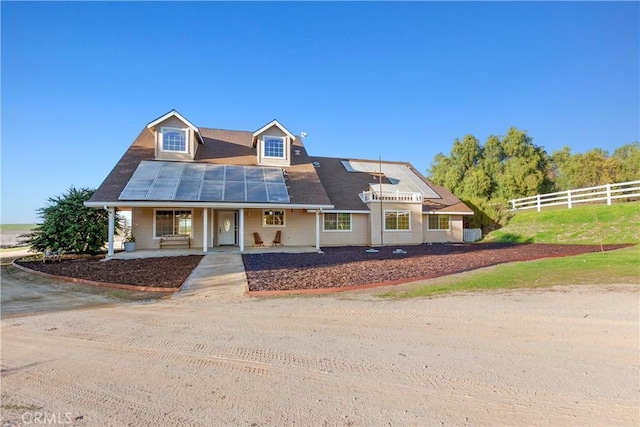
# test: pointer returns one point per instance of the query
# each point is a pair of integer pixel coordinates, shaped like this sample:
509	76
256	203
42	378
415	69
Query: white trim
384	220
337	230
284	219
205	231
172	209
318	230
241	229
276	124
176	204
174	113
284	147
164	129
439	229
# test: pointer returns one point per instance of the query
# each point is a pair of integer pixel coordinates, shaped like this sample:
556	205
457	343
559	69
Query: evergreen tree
68	224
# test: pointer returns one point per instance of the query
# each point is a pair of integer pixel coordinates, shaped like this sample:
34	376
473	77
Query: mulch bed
165	272
352	266
335	268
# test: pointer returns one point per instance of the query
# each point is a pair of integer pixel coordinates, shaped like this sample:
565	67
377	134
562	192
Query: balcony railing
392	196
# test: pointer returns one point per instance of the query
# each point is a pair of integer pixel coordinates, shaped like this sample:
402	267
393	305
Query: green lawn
620	266
593	224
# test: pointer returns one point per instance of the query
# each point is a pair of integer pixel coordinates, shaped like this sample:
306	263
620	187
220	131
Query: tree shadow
512	238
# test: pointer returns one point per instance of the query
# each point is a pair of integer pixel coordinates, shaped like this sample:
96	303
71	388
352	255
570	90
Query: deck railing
608	193
391	196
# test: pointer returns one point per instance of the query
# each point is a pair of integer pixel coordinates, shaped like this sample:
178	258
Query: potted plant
129	242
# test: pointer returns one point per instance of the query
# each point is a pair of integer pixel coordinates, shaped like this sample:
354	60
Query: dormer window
174	139
273	147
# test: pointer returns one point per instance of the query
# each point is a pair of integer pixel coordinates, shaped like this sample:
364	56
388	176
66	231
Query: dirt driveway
25	293
562	356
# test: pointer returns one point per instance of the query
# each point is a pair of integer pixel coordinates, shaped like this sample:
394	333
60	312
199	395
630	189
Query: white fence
472	234
608	192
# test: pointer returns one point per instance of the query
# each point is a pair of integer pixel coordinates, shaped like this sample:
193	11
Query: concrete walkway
220	275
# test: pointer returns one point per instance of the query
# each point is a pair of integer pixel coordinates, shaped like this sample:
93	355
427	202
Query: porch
157	253
213	229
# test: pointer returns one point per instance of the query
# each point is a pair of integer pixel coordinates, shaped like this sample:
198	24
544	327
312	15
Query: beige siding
454	234
358	236
396	237
299	229
142	220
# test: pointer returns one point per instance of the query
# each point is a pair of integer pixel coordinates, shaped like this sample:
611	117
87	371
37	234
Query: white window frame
438	216
284	147
265	214
337	230
167	129
155	217
397	211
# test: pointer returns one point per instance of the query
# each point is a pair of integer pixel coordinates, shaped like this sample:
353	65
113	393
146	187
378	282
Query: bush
68	224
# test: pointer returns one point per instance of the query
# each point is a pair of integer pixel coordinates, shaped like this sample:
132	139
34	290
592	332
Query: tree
629	157
486	177
68	224
593	168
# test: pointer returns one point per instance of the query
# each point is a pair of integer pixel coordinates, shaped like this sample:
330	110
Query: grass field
584	224
13	227
601	224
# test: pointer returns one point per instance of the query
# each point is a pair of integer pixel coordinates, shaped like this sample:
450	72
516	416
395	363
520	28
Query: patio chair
277	239
51	255
257	241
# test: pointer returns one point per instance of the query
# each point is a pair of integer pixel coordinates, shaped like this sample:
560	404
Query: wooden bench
175	240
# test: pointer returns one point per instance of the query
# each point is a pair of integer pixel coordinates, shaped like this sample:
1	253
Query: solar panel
167	181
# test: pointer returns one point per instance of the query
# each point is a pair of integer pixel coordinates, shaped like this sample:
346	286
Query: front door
226	228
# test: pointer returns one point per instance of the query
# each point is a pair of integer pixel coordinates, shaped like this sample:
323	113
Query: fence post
569	199
513	204
608	194
538	202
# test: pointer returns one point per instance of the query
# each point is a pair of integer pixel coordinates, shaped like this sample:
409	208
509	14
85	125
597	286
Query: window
174	139
273	219
273	147
337	221
439	222
172	222
397	220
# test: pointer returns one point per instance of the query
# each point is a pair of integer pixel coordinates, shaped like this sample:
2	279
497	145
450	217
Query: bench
175	240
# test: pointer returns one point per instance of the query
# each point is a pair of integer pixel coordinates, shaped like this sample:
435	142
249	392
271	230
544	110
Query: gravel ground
348	266
336	267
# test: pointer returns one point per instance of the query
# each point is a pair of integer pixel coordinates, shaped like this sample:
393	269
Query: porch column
241	229
112	228
318	229
205	230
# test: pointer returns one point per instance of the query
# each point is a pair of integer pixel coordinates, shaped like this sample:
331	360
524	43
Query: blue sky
400	80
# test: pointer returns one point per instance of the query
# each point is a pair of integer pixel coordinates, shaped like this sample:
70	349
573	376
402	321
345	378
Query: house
215	187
